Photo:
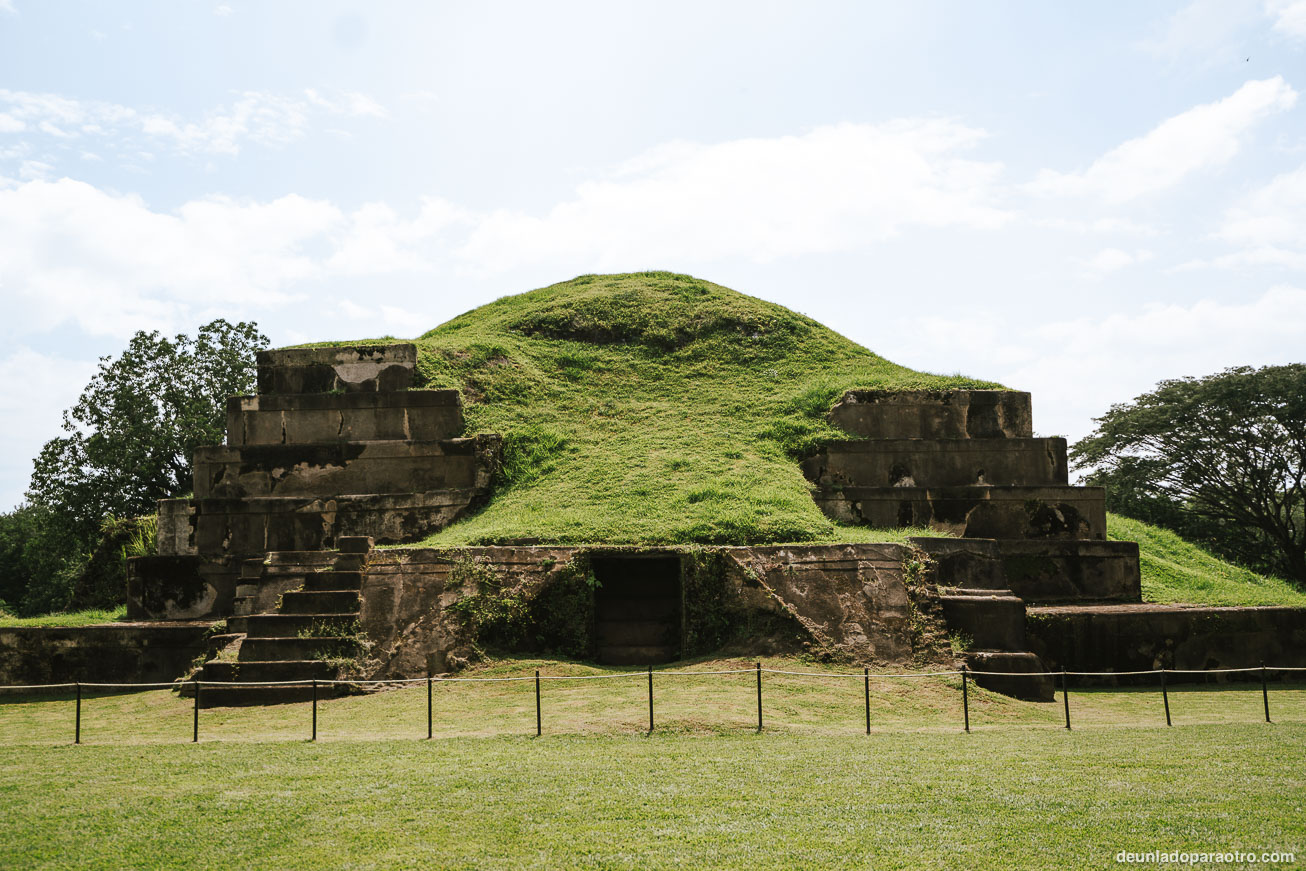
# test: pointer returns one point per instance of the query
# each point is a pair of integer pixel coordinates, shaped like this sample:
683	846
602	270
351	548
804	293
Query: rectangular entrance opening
637	609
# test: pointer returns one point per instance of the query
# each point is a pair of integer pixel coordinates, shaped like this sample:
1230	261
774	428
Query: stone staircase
293	621
966	463
978	604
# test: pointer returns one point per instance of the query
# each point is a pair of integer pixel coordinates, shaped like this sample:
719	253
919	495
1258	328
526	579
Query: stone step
993	622
245	591
1036	687
349	562
298	558
630	654
321	582
311	647
295	625
1072	571
656	633
268	670
978	592
217	643
964	562
320	602
238	623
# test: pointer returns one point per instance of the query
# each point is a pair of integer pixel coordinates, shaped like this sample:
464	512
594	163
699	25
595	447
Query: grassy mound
652	408
1177	571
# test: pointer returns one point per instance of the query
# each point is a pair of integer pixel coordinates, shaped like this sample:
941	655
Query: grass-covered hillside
651	408
1177	571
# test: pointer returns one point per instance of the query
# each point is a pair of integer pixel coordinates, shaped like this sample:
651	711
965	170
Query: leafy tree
130	439
133	431
1221	459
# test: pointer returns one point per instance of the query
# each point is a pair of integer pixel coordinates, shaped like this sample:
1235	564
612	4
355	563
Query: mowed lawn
704	790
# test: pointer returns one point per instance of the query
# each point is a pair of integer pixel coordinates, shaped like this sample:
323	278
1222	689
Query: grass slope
651	408
1177	571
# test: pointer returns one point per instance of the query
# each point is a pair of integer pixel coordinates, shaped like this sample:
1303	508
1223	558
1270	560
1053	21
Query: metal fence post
1065	697
429	704
195	716
1265	692
77	729
314	709
759	697
866	674
1165	697
539	727
650	700
965	699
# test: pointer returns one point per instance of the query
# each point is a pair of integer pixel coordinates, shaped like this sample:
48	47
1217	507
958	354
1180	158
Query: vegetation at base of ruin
703	790
925	623
130	440
1178	571
651	408
554	614
89	617
1221	460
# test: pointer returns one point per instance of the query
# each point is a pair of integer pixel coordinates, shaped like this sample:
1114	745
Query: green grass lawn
67	618
703	790
1177	571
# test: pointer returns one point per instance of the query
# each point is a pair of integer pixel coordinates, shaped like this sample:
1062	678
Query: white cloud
1273	215
111	265
38	387
836	188
1203	137
7	7
222	10
1111	259
1212	29
1289	17
1109	358
379	241
1268	226
254	116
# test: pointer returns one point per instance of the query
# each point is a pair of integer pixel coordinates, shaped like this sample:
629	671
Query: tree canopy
132	432
130	440
1220	458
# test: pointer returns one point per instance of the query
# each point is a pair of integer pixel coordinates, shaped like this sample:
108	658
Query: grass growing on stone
652	408
1177	571
67	618
703	790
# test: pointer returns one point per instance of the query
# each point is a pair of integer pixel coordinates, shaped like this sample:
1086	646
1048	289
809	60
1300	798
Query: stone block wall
1143	637
845	600
111	653
334	445
348	368
934	414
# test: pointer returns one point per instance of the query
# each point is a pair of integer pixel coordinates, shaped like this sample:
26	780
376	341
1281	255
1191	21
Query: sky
1074	200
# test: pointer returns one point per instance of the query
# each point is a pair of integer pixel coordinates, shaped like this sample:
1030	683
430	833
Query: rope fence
1062	678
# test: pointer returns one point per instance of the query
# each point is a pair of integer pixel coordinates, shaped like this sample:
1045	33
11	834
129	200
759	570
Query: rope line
178	684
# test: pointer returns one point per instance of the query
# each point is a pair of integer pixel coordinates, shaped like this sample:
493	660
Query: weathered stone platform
1144	636
105	653
973	512
934	414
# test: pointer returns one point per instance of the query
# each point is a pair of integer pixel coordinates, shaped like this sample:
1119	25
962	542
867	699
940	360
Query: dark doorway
637	609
